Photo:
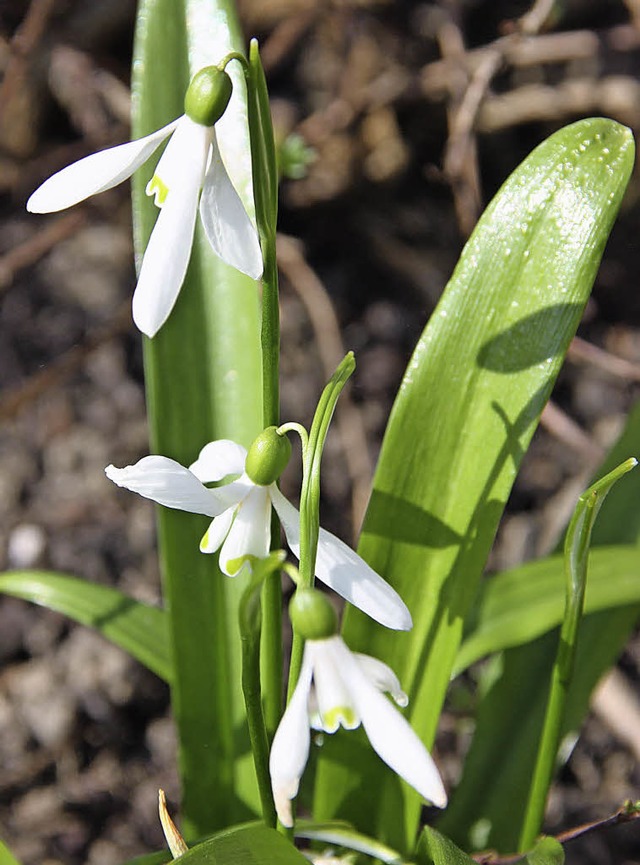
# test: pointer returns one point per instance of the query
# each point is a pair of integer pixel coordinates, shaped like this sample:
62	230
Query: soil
379	217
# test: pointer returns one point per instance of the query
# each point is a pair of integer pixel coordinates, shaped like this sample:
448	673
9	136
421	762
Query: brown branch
18	398
627	813
29	252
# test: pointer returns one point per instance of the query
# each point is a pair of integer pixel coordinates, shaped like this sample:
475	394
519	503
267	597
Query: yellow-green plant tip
268	457
208	95
312	615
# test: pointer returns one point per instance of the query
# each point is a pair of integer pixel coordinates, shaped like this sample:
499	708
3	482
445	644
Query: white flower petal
382	677
219	459
391	735
290	748
216	533
169	249
167	483
95	173
335	706
229	230
340	568
251	530
187	143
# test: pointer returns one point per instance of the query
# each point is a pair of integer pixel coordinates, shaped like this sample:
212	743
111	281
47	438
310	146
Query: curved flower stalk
190	176
339	687
241	511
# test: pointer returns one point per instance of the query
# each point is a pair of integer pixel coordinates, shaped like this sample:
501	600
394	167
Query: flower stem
251	690
272	590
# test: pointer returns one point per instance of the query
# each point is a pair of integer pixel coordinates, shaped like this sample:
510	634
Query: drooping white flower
241	511
339	687
190	173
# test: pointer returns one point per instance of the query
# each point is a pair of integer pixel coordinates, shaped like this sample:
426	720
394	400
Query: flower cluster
237	488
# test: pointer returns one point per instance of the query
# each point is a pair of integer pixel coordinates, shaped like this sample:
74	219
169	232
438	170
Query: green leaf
139	629
521	678
338	833
6	856
464	415
249	845
576	554
203	379
263	151
436	849
521	604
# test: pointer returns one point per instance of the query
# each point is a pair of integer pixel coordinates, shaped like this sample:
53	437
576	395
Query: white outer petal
168	483
290	748
216	533
251	530
382	677
340	568
228	228
168	252
95	173
219	459
391	735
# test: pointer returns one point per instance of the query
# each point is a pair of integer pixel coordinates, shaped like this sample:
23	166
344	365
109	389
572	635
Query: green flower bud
312	615
208	95
268	457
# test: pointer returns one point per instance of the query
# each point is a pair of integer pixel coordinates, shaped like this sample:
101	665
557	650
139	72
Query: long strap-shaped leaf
512	708
464	416
203	378
139	629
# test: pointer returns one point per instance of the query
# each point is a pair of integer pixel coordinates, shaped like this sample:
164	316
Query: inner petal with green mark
340	715
158	189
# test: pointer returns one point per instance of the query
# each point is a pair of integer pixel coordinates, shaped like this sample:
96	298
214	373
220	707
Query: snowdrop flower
190	170
241	511
339	687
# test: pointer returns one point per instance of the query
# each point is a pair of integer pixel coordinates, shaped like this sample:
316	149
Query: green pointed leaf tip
464	416
547	851
436	849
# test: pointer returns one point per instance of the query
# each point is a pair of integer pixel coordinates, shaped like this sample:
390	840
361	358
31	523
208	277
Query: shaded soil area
415	114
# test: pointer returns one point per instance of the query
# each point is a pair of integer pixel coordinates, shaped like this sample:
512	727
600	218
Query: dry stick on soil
331	349
460	158
18	398
27	253
627	813
24	43
581	350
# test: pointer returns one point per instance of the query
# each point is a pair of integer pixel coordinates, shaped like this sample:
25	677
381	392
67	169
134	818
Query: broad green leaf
203	379
522	680
249	845
521	604
139	629
464	416
436	849
576	557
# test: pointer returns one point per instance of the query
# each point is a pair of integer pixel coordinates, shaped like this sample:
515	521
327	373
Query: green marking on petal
235	565
157	189
204	543
344	715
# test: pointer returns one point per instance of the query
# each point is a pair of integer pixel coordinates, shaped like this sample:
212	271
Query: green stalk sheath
576	562
255	721
272	661
310	496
